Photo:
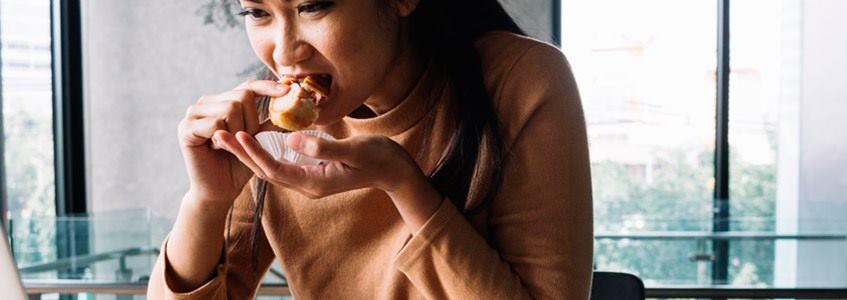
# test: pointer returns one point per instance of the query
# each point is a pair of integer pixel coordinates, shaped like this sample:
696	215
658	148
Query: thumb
317	147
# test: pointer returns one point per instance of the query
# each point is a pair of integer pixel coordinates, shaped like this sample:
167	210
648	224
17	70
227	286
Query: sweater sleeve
233	278
541	221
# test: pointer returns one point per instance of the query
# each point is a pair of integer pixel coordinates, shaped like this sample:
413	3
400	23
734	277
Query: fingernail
217	143
295	141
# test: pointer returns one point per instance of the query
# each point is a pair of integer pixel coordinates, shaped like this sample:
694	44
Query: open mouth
315	87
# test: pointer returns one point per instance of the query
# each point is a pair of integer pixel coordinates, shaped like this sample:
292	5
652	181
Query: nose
290	49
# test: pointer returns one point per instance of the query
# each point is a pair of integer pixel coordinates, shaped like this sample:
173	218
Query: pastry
298	109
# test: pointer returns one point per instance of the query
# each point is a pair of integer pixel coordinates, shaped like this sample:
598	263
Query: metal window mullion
68	127
72	236
556	19
721	203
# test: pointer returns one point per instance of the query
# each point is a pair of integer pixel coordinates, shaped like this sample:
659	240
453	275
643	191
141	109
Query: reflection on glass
122	246
646	73
756	40
27	117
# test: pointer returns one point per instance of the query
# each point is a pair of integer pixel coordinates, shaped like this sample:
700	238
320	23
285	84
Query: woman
460	168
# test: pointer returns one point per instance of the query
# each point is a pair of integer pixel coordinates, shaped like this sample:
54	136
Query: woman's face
353	41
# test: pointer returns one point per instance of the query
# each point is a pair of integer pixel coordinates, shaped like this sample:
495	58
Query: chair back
616	286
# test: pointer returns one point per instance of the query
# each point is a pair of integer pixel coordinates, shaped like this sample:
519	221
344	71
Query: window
27	119
27	106
647	71
755	88
646	74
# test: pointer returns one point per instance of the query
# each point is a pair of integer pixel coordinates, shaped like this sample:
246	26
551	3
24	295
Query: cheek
361	56
263	47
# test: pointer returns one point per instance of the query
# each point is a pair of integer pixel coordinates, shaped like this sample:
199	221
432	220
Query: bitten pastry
298	109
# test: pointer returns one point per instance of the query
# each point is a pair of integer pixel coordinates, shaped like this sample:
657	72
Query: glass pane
756	34
127	243
27	106
27	120
646	73
786	147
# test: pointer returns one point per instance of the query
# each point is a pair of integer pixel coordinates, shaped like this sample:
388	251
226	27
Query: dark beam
72	235
721	194
556	31
68	130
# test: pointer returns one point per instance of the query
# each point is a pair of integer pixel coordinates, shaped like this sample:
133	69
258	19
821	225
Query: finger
245	98
284	173
259	89
198	132
229	143
318	147
265	87
230	112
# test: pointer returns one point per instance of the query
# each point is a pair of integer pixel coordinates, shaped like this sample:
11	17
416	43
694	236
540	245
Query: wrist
406	177
415	199
205	206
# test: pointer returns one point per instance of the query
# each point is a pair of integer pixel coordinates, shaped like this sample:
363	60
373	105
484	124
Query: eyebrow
256	1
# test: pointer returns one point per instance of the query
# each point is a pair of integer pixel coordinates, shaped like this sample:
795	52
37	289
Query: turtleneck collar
429	90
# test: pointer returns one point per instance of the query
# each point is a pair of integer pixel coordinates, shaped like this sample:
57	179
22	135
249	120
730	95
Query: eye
253	13
314	7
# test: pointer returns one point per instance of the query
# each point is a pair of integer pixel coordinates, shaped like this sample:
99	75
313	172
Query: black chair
616	286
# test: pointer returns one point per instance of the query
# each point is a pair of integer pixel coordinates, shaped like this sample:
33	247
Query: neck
398	81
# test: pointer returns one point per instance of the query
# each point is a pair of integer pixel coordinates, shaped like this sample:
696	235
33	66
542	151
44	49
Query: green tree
676	195
30	182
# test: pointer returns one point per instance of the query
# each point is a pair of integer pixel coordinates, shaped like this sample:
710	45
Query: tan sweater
533	241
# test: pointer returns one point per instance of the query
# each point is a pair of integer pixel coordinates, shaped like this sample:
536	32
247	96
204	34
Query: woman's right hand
215	175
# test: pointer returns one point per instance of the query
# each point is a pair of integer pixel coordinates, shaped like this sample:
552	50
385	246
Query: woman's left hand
353	163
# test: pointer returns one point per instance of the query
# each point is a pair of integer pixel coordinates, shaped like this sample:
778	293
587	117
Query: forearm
198	231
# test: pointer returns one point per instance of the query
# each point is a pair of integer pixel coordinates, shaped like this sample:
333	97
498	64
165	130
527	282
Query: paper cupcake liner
274	143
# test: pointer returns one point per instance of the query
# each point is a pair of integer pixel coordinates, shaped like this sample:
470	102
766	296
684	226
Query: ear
406	7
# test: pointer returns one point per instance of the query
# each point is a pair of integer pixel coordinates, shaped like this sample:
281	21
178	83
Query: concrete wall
813	180
823	142
145	63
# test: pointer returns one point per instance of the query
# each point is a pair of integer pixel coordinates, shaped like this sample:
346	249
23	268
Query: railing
87	260
703	238
731	235
702	256
123	257
37	288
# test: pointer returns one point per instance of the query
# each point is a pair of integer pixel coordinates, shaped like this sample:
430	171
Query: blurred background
715	130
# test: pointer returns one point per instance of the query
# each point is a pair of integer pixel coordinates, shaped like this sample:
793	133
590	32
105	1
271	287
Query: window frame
68	118
720	199
72	237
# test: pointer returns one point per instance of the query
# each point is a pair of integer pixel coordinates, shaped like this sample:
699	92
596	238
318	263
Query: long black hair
470	172
445	31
